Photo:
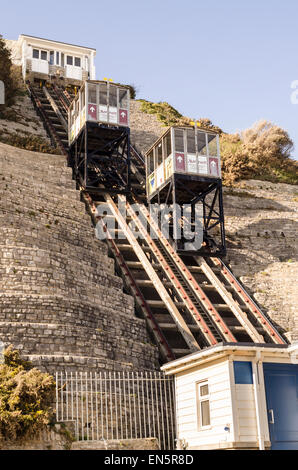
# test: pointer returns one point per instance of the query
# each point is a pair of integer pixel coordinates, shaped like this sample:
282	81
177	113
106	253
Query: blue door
281	385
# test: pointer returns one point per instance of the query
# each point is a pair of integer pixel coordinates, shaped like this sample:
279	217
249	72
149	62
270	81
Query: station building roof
281	352
25	36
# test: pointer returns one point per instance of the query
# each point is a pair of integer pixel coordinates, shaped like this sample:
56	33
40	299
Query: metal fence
118	405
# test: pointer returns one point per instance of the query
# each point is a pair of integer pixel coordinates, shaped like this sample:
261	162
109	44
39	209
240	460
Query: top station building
42	59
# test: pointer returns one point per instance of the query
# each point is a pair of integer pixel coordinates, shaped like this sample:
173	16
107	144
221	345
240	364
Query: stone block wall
145	128
60	302
261	227
57	437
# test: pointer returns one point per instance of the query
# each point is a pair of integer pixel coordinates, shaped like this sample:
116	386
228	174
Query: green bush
6	75
30	142
169	116
260	152
26	398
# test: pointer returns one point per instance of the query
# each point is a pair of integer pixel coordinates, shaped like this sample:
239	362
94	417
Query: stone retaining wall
60	302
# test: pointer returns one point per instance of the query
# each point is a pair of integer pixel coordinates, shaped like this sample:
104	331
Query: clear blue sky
232	61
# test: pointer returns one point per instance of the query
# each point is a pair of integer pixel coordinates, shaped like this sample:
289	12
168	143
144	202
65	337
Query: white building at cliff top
43	58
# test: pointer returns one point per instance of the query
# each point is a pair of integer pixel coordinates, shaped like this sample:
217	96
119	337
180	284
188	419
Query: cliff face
145	128
261	224
60	302
261	228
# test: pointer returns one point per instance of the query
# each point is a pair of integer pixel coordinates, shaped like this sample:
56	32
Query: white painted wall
73	72
217	375
246	413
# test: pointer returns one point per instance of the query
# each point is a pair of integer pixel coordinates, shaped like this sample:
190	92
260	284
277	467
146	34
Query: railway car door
281	384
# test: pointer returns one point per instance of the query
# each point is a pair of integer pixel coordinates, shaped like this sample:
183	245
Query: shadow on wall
143	140
273	237
250	202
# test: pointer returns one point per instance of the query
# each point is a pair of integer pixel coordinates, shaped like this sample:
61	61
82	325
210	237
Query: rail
161	281
117	405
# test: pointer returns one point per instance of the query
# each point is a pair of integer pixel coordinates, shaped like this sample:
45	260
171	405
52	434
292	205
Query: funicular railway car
98	130
183	169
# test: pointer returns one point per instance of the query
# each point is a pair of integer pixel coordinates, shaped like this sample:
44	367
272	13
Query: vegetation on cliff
7	76
26	397
262	151
28	142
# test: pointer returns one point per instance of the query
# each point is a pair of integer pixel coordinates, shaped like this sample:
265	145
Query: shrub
30	142
26	398
262	151
6	74
169	116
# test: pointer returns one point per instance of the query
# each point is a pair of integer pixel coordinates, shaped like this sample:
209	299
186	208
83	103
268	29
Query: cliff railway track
188	302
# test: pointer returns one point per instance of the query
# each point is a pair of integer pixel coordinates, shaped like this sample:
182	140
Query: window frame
35	50
52	58
199	400
43	52
77	59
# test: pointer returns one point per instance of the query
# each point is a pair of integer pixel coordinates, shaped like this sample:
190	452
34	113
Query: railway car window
103	96
76	108
179	142
123	101
113	96
191	143
212	145
150	162
35	54
72	113
52	55
44	55
167	145
69	60
77	61
159	153
202	147
91	93
83	98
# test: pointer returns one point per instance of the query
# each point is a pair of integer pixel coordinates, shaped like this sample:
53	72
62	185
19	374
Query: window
83	98
159	153
62	59
202	146
203	405
179	142
69	60
52	55
150	162
123	101
91	93
35	54
212	145
43	55
77	62
167	145
57	58
191	141
113	96
103	94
